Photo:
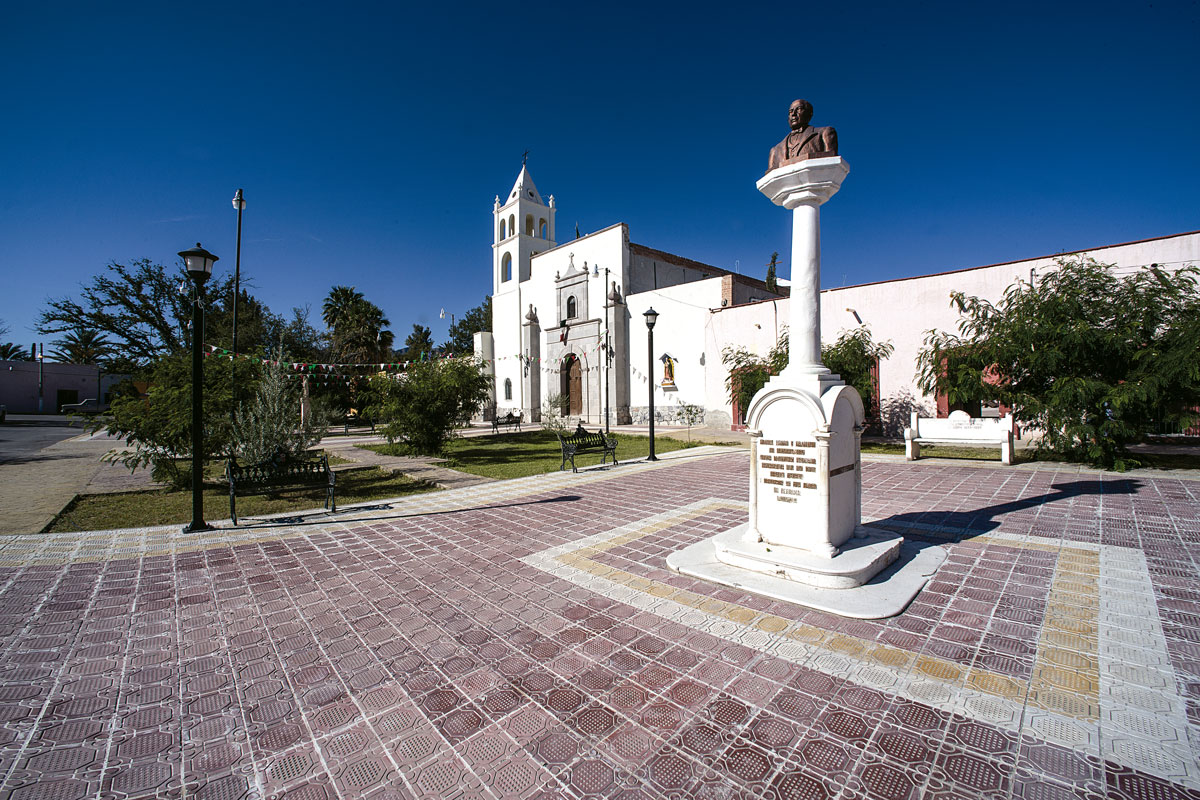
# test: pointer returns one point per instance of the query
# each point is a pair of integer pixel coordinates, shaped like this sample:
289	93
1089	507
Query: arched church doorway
571	385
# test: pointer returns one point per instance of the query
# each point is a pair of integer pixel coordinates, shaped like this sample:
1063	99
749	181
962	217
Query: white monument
804	542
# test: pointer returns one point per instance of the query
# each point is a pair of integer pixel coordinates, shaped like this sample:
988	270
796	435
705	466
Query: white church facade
568	318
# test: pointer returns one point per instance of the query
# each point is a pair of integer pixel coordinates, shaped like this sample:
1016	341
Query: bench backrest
270	471
961	425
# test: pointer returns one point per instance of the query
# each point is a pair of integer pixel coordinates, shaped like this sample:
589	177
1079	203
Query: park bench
959	428
509	420
274	475
581	442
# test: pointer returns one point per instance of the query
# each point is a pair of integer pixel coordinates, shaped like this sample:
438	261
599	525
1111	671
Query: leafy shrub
423	405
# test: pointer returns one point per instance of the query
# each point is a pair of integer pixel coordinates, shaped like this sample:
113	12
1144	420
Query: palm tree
82	346
11	351
363	337
338	304
357	326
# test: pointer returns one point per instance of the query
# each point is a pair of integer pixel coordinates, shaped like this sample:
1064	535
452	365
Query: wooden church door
576	388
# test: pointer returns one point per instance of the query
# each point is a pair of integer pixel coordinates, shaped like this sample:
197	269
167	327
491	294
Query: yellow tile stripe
947	672
1066	671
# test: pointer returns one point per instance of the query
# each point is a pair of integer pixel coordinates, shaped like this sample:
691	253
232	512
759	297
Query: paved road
23	435
42	467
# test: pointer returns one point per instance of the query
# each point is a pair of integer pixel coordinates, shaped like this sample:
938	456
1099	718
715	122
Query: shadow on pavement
982	520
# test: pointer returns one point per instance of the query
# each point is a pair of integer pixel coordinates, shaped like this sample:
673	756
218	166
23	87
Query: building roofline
1014	261
663	255
581	238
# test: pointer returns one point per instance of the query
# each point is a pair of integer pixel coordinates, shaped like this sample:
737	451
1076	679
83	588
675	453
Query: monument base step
886	595
859	559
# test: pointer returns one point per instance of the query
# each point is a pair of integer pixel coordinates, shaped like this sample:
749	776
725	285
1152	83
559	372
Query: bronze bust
805	141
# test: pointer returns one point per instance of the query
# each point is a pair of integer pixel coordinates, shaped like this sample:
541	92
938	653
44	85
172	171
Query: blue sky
370	139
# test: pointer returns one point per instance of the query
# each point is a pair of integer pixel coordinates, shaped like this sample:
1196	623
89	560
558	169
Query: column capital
810	182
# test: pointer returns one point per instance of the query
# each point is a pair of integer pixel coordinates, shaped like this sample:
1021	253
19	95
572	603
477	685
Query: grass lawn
165	506
517	455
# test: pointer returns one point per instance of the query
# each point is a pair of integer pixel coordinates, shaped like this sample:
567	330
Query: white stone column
802	188
805	322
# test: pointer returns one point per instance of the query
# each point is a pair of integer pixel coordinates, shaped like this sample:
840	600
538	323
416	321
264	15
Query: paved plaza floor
524	639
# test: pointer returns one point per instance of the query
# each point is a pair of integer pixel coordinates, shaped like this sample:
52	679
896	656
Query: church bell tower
523	226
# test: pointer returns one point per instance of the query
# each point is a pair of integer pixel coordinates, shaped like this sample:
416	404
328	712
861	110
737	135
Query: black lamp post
651	318
199	263
239	203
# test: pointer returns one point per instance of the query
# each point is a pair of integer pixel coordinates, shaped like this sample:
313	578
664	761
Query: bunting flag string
315	368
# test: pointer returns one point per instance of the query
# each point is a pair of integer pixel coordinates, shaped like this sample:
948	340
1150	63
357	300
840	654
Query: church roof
525	188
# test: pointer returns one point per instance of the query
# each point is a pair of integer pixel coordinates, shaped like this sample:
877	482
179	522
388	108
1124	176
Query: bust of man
805	141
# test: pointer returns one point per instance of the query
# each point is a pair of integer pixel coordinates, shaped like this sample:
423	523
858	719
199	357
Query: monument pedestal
804	542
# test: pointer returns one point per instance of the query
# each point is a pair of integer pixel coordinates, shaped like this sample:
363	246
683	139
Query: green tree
158	428
141	308
772	281
1090	359
462	332
853	357
11	351
419	343
690	414
749	372
338	303
357	327
82	346
300	341
270	427
259	329
424	404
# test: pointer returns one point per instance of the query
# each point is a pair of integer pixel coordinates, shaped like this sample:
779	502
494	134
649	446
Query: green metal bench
581	442
275	475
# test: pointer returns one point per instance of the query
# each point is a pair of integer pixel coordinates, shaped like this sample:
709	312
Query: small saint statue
805	141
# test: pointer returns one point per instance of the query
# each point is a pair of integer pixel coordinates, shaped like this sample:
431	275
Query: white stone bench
962	429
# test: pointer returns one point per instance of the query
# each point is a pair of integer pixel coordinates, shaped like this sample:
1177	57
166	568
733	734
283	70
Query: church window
542	229
503	230
508	388
506	267
512	225
529	224
571	309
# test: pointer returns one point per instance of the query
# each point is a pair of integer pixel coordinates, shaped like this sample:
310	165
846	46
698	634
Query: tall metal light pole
199	263
239	203
651	317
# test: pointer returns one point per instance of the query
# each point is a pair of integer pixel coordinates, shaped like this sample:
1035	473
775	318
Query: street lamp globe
239	202
651	317
199	262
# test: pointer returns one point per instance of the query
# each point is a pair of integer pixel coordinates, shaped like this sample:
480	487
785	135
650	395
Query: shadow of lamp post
651	318
199	264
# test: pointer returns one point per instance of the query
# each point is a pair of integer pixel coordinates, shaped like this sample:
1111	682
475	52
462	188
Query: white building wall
685	312
903	310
